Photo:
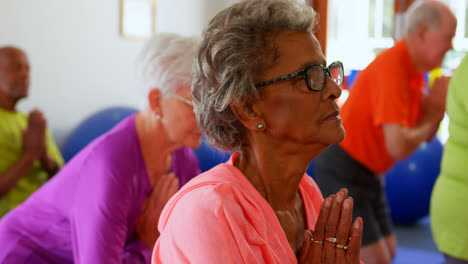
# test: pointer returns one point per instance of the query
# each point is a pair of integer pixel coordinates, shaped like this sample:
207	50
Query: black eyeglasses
314	76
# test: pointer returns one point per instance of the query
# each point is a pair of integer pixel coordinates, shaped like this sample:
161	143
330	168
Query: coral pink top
219	217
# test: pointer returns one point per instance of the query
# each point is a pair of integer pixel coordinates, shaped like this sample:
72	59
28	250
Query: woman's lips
332	116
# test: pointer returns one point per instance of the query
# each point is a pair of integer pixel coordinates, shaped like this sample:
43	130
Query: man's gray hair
236	48
165	62
423	13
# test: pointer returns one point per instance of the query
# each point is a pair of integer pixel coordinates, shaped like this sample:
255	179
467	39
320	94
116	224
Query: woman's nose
332	90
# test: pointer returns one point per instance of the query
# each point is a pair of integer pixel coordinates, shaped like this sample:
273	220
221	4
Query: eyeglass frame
303	72
183	99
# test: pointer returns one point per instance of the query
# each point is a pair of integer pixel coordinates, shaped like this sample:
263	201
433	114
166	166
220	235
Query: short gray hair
165	62
235	49
423	12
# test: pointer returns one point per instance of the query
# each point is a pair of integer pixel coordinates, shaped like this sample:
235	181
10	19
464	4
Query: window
356	39
381	18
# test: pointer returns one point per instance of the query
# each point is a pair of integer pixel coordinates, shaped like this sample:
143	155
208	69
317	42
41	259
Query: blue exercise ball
209	156
311	169
92	127
408	185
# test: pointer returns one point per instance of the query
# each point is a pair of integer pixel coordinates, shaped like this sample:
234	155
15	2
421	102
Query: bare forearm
12	175
433	133
402	141
413	137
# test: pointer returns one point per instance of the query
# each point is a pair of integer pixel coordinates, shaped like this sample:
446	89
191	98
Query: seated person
387	116
28	154
262	87
104	205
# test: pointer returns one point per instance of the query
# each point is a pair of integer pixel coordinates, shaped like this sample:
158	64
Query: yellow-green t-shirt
11	149
449	217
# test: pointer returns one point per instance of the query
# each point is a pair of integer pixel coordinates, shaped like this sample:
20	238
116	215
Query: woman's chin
341	137
337	138
194	142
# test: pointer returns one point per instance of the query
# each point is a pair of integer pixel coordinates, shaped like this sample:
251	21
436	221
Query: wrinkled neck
155	144
276	179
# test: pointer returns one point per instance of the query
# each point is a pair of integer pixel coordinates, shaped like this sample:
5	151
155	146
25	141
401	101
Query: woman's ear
155	100
249	116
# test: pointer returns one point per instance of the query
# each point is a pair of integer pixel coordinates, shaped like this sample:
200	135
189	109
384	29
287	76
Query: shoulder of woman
310	187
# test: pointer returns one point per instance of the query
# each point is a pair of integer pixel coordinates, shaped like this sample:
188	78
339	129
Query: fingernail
356	224
344	190
339	197
328	202
347	204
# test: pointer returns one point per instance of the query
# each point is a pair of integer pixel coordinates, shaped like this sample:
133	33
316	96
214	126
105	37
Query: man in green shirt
28	154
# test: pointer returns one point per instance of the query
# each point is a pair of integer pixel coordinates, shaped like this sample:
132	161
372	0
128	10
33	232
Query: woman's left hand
334	239
147	224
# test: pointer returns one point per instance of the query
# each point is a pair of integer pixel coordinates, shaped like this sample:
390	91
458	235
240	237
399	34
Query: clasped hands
335	238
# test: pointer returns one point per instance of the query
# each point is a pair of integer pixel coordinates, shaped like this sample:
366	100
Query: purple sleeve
99	218
185	165
137	250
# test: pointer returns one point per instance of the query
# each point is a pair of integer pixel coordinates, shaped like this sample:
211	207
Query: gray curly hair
236	47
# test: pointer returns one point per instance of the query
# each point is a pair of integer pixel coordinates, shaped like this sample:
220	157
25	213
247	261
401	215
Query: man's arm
12	175
401	141
49	165
33	146
51	159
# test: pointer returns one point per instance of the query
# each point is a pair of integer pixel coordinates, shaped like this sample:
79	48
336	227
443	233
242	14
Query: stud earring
158	117
260	126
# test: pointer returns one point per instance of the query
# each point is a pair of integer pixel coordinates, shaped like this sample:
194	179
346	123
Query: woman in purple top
104	205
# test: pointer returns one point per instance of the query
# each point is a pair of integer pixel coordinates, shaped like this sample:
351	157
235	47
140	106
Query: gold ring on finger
341	246
331	239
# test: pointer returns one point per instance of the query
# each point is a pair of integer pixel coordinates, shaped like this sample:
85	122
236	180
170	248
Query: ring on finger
341	246
316	241
331	239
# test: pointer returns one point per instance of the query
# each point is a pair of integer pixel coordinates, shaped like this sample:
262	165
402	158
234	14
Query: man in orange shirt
386	117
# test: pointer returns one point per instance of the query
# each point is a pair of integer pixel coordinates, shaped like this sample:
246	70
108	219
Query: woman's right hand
147	224
334	239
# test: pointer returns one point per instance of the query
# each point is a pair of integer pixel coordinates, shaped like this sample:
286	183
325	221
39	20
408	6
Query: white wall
187	17
80	63
348	39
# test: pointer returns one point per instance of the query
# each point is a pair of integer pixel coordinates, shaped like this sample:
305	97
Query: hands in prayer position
334	239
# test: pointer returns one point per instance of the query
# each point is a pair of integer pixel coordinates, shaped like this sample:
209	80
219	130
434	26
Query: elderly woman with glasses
261	88
104	205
